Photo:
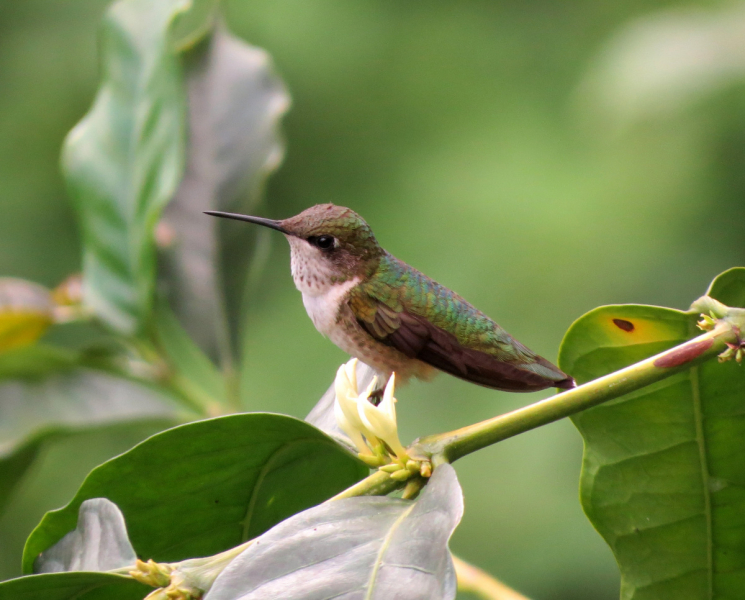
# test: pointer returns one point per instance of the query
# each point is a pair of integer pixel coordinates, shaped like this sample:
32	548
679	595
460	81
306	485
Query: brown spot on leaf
624	324
683	355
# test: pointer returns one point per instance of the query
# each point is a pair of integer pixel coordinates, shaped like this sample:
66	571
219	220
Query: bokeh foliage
439	123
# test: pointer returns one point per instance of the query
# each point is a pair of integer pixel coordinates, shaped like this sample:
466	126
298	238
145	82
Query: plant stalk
473	580
448	447
379	483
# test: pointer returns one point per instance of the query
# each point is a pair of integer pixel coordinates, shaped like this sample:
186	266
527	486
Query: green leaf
729	287
73	586
14	465
78	398
663	477
376	548
204	487
123	161
191	366
235	103
49	404
35	362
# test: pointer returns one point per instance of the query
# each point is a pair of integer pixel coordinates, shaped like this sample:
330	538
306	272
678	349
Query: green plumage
396	288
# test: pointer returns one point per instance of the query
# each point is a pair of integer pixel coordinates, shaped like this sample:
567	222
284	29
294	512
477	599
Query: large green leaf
202	488
663	477
123	161
73	586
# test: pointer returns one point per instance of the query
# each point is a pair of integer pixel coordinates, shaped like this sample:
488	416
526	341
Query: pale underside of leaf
99	542
235	102
354	549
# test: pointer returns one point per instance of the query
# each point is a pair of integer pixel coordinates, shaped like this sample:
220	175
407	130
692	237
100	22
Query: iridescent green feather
400	287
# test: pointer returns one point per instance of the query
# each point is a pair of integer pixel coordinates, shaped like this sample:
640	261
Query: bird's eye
324	242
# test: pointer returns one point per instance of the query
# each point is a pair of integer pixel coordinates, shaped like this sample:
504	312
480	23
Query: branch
473	580
448	447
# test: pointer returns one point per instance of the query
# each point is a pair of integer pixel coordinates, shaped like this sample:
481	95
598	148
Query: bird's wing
392	323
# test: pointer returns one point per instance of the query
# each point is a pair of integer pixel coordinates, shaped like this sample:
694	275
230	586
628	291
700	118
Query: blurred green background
479	141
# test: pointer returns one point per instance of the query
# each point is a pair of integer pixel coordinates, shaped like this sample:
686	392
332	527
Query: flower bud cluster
735	351
186	580
707	322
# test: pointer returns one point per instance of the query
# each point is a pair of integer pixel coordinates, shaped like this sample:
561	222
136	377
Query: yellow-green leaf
26	312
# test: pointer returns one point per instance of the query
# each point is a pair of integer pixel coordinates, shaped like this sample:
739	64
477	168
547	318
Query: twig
473	580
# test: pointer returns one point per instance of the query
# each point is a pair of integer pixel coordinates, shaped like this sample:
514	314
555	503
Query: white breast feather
323	308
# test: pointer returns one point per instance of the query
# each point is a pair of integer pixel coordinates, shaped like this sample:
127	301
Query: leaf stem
448	447
379	483
473	580
193	397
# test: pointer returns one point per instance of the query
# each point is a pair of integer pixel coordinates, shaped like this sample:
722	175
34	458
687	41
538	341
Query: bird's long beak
258	220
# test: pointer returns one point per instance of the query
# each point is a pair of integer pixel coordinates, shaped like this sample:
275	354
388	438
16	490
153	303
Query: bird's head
325	239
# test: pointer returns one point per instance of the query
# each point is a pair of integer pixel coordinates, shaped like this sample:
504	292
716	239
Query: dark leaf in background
14	464
81	397
34	362
201	488
357	548
235	102
191	366
36	410
73	586
99	542
663	477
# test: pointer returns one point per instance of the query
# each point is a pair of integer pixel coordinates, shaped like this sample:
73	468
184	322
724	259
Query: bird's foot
376	397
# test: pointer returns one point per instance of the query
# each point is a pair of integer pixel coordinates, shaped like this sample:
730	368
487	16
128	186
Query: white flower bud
345	406
381	419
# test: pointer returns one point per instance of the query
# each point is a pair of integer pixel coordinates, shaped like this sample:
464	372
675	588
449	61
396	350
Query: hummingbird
392	317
